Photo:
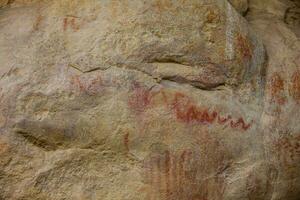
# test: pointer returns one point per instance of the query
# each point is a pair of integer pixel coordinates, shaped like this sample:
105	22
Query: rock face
240	5
149	100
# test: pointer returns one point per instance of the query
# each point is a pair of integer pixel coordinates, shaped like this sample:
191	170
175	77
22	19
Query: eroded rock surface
149	100
241	6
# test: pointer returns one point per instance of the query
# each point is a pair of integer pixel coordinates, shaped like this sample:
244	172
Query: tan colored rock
148	100
240	5
280	116
3	3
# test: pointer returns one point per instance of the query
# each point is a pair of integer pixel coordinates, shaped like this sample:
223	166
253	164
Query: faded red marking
288	149
38	22
89	86
150	177
126	142
185	157
65	23
3	120
3	147
167	173
165	98
72	22
294	89
223	120
276	86
240	123
181	169
193	114
141	98
169	178
175	176
183	108
244	47
174	180
187	112
158	180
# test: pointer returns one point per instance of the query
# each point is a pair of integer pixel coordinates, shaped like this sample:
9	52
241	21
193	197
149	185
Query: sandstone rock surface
240	5
149	100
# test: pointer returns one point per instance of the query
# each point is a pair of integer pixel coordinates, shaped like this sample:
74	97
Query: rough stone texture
240	5
3	3
149	100
282	96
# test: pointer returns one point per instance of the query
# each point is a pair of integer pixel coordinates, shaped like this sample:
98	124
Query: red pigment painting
38	22
141	98
170	176
188	112
71	22
244	47
276	85
174	176
294	89
183	108
256	184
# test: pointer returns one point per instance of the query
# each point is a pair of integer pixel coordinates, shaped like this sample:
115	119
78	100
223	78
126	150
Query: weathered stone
148	100
280	116
3	3
240	5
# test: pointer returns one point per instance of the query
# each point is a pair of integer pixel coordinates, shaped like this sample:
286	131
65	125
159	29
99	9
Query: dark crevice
178	79
168	60
194	84
38	142
92	70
